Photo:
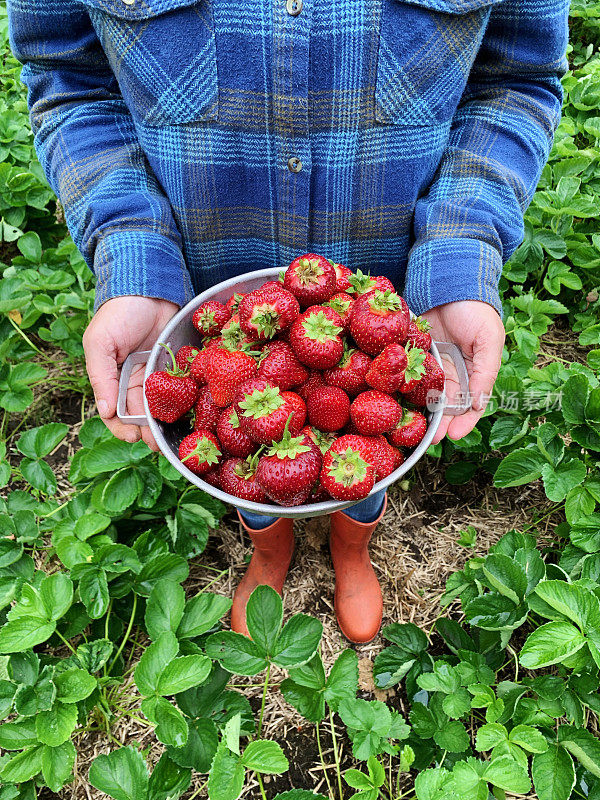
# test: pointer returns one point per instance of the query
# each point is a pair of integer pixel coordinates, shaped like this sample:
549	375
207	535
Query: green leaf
506	576
490	735
164	608
39	475
30	246
17	735
25	632
183	673
57	764
171	726
56	592
452	737
201	614
122	774
153	661
226	779
93	589
495	612
39	442
23	766
572	602
507	774
458	704
74	685
56	726
121	490
94	655
298	641
528	738
200	748
342	682
444	678
582	745
168	780
236	653
550	644
558	481
519	467
165	565
574	398
430	783
266	757
553	773
264	615
310	703
357	780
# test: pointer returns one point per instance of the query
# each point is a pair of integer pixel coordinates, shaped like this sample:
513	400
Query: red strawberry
233	337
350	373
418	333
398	457
184	357
272	285
384	457
410	430
200	451
170	392
379	318
347	473
206	411
213	477
289	470
342	303
328	408
362	284
342	274
232	437
266	312
386	373
225	370
315	337
209	317
321	439
375	412
238	477
315	379
432	382
197	368
311	278
263	411
279	365
232	304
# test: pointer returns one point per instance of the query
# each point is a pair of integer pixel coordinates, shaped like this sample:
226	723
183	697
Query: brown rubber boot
358	601
273	549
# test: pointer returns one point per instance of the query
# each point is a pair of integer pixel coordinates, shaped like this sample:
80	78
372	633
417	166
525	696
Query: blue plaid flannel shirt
193	140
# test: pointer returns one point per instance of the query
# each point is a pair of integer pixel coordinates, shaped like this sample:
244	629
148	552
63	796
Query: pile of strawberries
302	390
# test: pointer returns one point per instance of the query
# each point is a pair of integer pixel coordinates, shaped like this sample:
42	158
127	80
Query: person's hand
119	327
478	330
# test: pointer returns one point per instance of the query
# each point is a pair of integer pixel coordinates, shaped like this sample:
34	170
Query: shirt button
293	7
294	164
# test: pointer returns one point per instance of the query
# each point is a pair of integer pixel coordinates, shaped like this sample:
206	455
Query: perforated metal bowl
179	331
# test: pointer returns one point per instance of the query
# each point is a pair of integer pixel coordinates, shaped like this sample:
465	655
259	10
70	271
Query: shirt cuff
445	270
140	262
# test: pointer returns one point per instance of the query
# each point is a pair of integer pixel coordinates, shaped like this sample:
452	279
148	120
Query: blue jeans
366	511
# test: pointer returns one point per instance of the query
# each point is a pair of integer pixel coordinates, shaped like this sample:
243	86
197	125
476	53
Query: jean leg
368	509
256	521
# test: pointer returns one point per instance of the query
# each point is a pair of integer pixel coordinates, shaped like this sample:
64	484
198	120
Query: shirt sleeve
470	221
86	142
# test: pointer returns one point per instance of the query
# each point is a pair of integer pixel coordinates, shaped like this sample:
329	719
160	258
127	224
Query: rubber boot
358	601
273	549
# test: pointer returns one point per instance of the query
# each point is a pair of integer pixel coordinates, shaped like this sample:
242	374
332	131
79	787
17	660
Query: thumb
486	363
101	363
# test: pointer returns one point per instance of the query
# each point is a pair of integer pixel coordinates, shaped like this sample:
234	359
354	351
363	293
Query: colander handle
455	354
140	357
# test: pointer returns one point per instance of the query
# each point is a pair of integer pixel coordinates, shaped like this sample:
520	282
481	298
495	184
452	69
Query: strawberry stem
174	369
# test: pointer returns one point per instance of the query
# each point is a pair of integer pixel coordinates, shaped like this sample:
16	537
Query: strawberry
410	429
272	285
200	451
197	368
232	304
431	383
213	477
347	473
206	411
209	317
362	284
384	457
321	439
225	370
232	335
342	303
418	333
342	274
311	278
232	437
170	392
398	458
315	379
350	373
375	412
289	470
315	337
238	477
386	373
266	312
263	411
379	318
279	365
184	357
328	408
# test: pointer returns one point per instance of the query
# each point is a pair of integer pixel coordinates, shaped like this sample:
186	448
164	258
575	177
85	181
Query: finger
135	404
128	433
486	363
464	424
441	431
101	365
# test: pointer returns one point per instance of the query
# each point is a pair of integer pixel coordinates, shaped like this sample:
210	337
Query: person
190	141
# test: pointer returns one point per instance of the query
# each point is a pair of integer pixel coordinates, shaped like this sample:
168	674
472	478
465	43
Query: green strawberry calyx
361	283
348	467
246	469
205	450
234	420
262	402
205	319
339	304
289	446
265	319
174	370
308	271
384	301
415	368
319	327
422	324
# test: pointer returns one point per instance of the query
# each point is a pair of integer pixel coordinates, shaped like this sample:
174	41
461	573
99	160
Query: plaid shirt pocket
163	55
426	50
